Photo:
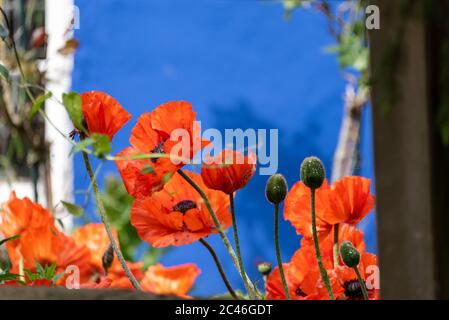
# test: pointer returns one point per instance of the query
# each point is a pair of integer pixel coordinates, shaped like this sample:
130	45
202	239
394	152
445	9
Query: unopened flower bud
108	258
264	268
349	254
276	188
312	172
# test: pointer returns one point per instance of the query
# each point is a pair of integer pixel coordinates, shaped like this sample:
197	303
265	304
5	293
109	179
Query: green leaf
50	271
4	73
38	104
39	269
147	169
31	276
83	144
73	209
8	276
101	144
73	104
9	239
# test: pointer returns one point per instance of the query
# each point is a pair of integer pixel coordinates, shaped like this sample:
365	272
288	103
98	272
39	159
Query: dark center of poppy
353	289
159	149
184	205
299	292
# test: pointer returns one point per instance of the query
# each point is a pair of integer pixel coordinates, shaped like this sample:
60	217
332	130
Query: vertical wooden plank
402	143
438	59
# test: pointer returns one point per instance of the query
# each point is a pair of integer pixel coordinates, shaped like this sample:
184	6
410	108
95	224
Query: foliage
346	23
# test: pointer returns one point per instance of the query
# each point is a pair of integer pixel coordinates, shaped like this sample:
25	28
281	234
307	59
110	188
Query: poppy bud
264	268
276	188
312	172
108	258
349	254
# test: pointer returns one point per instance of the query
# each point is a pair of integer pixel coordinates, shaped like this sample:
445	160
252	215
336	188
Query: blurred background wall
242	65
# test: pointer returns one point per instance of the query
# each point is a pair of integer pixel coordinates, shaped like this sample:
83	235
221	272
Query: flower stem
249	288
105	220
336	259
362	284
236	240
323	272
219	267
278	250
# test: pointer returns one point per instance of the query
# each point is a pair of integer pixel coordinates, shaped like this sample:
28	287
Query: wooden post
412	176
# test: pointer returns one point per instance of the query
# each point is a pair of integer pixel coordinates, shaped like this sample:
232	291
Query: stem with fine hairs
236	239
250	288
278	250
219	267
105	220
323	272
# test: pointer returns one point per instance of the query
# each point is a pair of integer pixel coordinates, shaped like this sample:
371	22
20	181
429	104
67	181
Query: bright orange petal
297	210
103	114
229	171
176	280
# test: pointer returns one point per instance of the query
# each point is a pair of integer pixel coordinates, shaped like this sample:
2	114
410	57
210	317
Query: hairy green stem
236	240
105	220
278	250
362	284
323	272
219	267
250	288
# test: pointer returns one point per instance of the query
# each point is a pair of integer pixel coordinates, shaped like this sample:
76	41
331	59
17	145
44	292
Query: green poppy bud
276	188
108	258
349	254
264	268
312	172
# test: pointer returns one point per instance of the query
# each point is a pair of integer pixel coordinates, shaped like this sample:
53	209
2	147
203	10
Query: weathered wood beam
412	176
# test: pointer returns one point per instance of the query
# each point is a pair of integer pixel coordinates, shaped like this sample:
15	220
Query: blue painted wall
242	65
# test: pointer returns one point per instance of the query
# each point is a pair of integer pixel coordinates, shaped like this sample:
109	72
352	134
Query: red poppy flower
303	279
297	210
176	280
229	171
103	114
104	283
40	241
177	215
346	232
17	215
48	246
156	132
41	283
95	238
302	273
350	287
346	201
137	181
349	201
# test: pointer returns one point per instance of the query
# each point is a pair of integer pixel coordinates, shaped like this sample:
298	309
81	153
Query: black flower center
353	289
184	205
159	149
299	292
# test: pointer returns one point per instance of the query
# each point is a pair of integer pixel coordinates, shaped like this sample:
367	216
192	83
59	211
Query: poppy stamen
159	149
353	289
184	205
300	293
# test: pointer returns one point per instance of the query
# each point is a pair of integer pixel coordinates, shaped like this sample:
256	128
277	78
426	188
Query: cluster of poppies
175	207
39	242
339	208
